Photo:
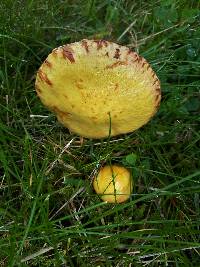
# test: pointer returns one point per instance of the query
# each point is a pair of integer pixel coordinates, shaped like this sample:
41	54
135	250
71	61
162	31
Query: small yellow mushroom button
113	184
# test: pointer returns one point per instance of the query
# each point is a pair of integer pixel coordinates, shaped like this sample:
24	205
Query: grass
49	213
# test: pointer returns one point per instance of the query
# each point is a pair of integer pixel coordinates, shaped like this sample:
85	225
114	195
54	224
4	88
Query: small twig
3	227
81	205
75	211
38	116
1	184
100	143
68	166
157	33
28	104
126	30
36	254
142	258
7	114
59	156
66	203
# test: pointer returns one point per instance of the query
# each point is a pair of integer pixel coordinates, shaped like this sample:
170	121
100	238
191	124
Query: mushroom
98	88
113	184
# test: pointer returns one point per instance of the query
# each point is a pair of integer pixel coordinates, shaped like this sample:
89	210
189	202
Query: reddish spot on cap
68	53
44	77
117	53
156	81
101	43
116	64
116	86
85	45
38	90
60	112
47	63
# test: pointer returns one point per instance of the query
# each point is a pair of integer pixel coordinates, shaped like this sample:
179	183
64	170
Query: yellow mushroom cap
113	184
98	87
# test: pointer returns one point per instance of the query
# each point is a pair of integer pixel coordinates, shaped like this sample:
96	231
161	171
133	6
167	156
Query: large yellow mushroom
97	88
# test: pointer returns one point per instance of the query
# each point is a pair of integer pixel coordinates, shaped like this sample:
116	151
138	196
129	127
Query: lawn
49	212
